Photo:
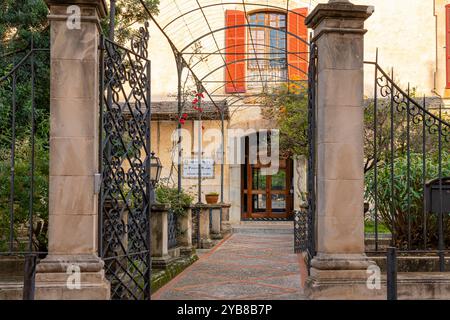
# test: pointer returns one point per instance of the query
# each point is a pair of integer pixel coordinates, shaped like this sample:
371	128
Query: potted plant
212	197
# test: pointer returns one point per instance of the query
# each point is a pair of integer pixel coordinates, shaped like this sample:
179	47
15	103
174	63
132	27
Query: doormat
268	219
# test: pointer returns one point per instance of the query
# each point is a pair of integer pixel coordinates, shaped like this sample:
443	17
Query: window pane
282	40
279	180
273	39
274	20
259	181
278	203
259	202
282	21
267	53
261	18
278	45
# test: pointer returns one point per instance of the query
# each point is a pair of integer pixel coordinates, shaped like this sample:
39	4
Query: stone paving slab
242	267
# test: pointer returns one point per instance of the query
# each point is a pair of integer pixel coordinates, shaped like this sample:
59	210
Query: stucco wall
409	35
162	132
404	31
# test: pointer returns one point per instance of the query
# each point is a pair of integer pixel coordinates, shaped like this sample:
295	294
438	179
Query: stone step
413	263
11	288
264	227
11	266
11	277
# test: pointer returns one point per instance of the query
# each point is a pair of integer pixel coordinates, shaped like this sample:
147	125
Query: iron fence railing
304	219
196	241
172	221
24	145
407	154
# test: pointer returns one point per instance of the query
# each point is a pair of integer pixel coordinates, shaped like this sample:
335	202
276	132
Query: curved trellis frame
210	28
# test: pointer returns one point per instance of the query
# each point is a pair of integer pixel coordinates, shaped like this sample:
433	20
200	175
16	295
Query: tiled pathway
242	267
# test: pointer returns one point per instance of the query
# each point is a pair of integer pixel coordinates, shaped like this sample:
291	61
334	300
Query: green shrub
178	202
408	197
286	109
22	197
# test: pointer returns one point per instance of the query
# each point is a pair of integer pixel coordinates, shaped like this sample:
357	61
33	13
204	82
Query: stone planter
184	238
212	198
160	236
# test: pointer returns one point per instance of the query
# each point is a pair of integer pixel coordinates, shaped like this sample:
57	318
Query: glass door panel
259	203
265	196
279	180
279	203
259	181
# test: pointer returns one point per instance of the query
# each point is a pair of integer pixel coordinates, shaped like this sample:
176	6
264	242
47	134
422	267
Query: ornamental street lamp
155	174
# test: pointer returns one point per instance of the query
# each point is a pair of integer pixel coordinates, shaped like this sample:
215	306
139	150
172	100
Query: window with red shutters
447	50
298	56
266	50
235	72
238	71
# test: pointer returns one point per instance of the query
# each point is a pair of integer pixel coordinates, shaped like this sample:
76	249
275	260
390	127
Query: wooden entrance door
267	196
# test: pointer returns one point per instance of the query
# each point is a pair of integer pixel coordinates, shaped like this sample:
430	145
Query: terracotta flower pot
212	198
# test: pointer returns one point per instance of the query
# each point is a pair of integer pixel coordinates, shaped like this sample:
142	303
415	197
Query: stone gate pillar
72	269
339	271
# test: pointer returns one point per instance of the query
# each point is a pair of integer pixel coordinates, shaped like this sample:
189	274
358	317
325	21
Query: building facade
260	44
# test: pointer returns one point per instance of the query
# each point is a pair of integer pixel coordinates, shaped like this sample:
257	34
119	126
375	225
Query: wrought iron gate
24	168
407	142
304	222
124	201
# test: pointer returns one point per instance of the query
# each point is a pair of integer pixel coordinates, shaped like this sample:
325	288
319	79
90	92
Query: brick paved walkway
242	267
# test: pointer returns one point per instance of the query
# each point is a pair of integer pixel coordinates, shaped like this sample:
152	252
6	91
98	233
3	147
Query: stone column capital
89	8
343	17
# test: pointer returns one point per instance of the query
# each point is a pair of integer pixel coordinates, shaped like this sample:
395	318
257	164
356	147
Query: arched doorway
265	196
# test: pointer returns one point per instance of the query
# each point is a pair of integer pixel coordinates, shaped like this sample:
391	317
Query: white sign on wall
190	168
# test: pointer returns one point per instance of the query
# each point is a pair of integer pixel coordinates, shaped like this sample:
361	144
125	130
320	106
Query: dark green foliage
400	133
20	20
22	197
178	202
402	145
287	107
408	197
129	14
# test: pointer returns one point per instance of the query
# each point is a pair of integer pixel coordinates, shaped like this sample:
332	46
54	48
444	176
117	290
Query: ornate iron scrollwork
172	229
125	148
408	142
405	103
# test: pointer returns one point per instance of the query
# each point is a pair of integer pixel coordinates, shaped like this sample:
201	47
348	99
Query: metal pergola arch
166	20
297	54
245	3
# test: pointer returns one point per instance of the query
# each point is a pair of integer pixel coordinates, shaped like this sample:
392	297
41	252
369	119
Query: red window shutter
298	59
235	72
447	50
